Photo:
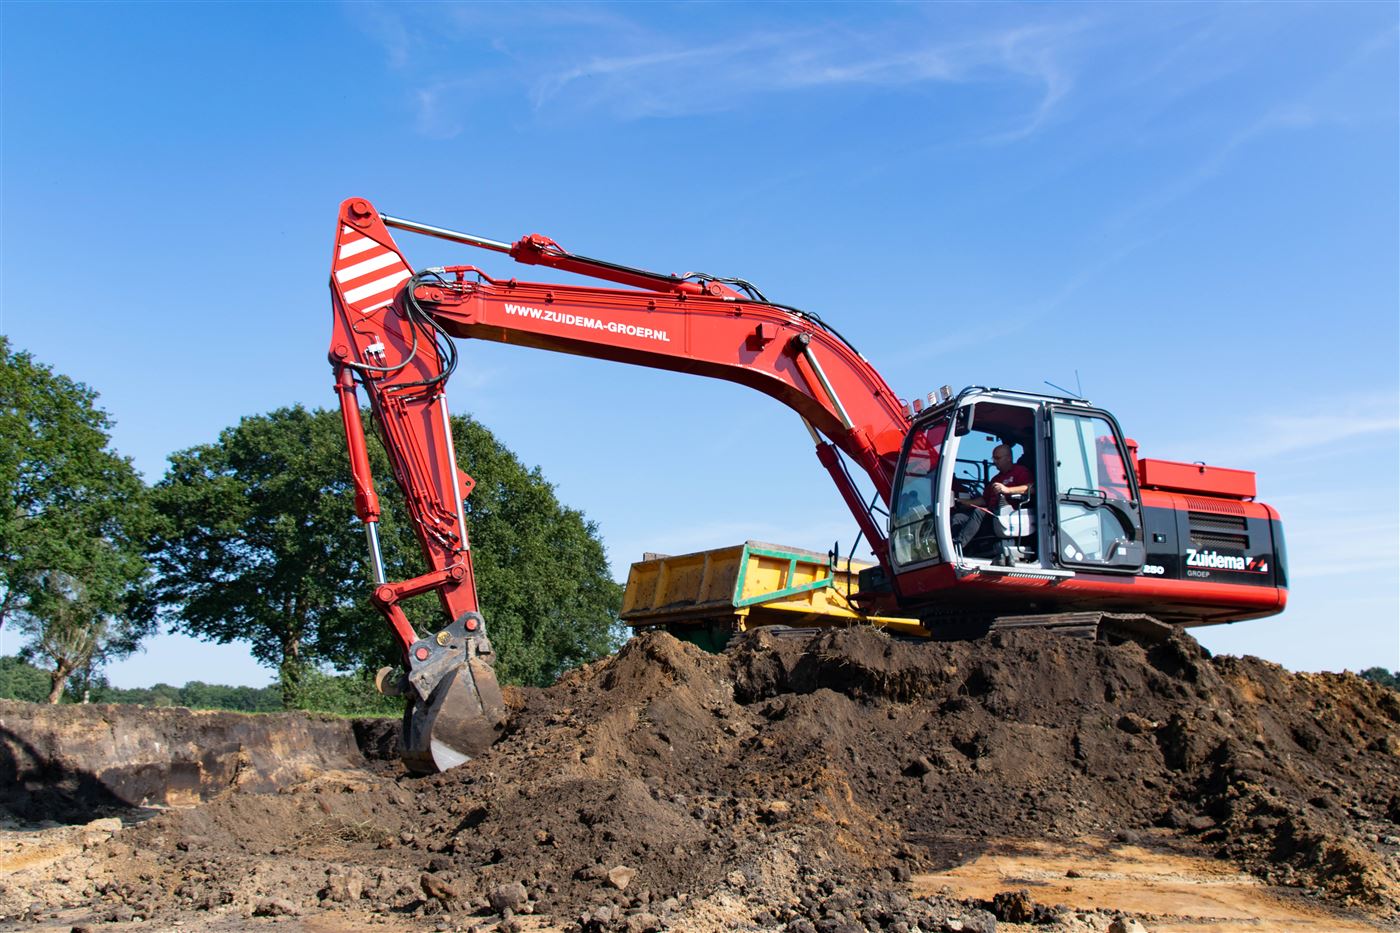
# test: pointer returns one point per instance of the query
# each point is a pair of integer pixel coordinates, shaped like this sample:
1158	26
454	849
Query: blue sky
1196	207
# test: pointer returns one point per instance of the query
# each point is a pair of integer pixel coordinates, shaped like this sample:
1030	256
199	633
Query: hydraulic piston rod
442	233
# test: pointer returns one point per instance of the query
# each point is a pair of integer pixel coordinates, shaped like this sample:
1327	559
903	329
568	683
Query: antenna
1078	385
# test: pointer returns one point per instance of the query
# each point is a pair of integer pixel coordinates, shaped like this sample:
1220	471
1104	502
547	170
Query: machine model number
1153	570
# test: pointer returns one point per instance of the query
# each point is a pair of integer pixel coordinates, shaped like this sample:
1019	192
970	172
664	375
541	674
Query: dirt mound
798	783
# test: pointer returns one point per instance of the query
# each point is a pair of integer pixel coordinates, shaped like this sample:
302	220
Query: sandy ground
1169	892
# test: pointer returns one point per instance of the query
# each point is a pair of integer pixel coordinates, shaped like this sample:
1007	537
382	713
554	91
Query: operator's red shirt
1016	476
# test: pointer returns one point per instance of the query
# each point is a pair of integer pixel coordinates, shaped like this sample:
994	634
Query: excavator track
1105	626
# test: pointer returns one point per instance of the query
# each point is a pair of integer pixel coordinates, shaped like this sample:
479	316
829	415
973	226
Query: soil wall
67	763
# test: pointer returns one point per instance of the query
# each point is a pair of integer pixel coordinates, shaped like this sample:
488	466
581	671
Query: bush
20	680
345	695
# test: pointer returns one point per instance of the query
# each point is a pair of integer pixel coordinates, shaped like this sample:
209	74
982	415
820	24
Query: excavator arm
392	330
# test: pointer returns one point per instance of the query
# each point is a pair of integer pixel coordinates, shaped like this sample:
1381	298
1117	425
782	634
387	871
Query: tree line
1382	676
351	694
253	537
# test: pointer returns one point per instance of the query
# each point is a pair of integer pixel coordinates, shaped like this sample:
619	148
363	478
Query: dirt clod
1014	906
621	876
507	897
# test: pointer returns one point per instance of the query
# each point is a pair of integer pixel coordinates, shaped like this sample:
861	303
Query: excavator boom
391	339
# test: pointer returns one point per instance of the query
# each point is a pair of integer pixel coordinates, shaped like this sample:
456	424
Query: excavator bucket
455	709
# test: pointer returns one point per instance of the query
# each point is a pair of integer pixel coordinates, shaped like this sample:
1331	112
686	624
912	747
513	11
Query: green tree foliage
194	695
251	541
72	523
1381	676
346	694
541	571
322	692
258	541
20	680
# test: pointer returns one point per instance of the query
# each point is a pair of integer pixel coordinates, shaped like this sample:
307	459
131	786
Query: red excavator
1096	532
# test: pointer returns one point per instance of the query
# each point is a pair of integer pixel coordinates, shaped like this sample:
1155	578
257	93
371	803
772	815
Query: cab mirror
963	424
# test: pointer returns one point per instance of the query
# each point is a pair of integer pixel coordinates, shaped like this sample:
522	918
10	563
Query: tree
541	571
259	541
1381	676
71	525
250	541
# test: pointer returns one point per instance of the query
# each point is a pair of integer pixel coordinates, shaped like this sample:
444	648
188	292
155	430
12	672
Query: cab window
975	467
1087	458
912	525
1098	520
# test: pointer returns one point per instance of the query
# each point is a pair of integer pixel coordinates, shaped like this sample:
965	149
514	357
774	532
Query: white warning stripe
377	287
355	247
360	269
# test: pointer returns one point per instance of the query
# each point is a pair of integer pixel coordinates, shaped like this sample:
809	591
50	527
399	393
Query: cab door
914	525
1097	521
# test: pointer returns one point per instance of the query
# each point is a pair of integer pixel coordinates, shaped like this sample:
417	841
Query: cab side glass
913	526
1095	511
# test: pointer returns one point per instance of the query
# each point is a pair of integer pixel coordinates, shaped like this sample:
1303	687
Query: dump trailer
709	596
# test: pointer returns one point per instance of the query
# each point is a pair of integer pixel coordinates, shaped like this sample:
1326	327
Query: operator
1012	479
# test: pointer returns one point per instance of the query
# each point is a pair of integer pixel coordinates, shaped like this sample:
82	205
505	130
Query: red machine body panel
1196	477
1183	601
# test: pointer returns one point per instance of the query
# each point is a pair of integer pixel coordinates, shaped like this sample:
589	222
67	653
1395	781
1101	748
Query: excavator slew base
455	709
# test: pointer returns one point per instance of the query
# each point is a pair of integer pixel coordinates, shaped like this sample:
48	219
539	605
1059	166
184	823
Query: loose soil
837	782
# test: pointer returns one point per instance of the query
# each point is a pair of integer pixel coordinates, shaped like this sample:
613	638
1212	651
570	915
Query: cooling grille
1208	539
1210	521
1213	505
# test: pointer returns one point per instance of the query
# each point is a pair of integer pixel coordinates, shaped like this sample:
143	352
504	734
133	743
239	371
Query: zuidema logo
1214	560
587	323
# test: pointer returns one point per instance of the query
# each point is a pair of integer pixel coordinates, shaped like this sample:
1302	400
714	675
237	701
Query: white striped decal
360	269
359	257
377	287
353	248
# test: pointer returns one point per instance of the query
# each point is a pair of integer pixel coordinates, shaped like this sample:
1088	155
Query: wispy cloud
1139	224
633	69
1015	322
724	74
1327	428
1325	102
383	23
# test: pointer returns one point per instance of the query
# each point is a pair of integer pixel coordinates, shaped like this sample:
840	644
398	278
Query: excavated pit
72	763
792	783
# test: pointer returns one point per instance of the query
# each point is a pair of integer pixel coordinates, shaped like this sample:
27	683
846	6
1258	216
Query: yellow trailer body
709	595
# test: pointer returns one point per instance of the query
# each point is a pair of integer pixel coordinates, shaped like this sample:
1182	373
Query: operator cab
1082	512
